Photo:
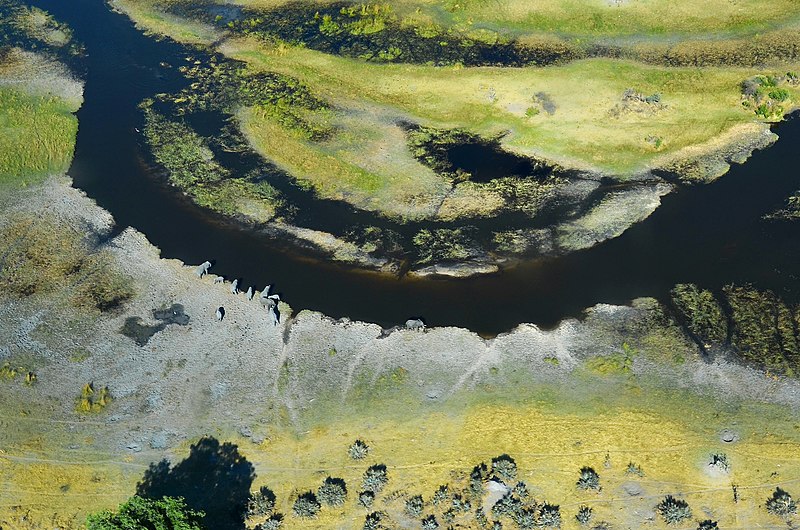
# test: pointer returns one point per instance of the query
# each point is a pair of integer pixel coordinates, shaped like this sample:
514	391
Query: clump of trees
700	312
674	511
765	95
92	400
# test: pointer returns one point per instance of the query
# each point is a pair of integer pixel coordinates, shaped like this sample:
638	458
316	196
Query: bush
414	506
550	516
674	511
520	489
525	518
508	505
584	515
720	461
781	503
373	520
261	502
138	512
634	469
306	505
366	499
460	504
708	524
504	467
358	450
333	492
429	522
273	523
375	478
589	479
700	312
442	495
477	476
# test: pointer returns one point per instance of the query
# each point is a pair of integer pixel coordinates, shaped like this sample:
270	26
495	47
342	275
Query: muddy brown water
711	234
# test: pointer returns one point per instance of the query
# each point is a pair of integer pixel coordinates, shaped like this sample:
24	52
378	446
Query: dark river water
711	235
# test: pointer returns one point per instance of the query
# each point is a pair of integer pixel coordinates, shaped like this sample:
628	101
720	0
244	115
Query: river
711	235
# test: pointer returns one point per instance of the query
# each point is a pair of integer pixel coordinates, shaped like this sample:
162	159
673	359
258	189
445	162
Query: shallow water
711	235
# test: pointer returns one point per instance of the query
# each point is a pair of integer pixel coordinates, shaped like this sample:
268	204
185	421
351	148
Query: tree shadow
214	478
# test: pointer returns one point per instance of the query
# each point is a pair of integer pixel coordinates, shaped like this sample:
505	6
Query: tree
138	513
781	503
674	510
333	492
589	479
504	467
306	505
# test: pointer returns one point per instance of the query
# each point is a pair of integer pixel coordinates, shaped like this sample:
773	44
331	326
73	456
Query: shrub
508	505
273	523
525	518
306	505
375	478
429	522
550	516
674	511
373	520
358	450
504	467
480	518
584	514
589	479
781	503
366	498
634	469
779	94
708	524
478	474
442	495
333	492
92	400
261	502
460	504
520	489
720	461
414	506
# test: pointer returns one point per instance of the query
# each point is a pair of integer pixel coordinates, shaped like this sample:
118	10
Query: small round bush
634	469
589	479
261	502
306	505
504	467
442	495
525	518
333	492
375	478
674	511
520	489
584	514
366	499
373	520
358	450
429	522
508	506
414	506
549	516
273	523
708	524
781	503
460	504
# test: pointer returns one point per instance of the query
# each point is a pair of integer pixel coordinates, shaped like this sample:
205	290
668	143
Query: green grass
37	136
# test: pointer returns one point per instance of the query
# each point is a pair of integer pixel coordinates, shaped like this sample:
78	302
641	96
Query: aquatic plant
306	505
333	492
674	511
781	503
700	312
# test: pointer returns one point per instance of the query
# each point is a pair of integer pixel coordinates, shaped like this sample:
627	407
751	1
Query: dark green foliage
460	504
358	450
375	478
373	520
525	518
167	513
504	467
366	499
333	492
781	503
589	479
262	502
764	328
414	506
520	489
429	522
584	515
306	505
444	244
549	516
508	506
674	511
708	524
701	313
